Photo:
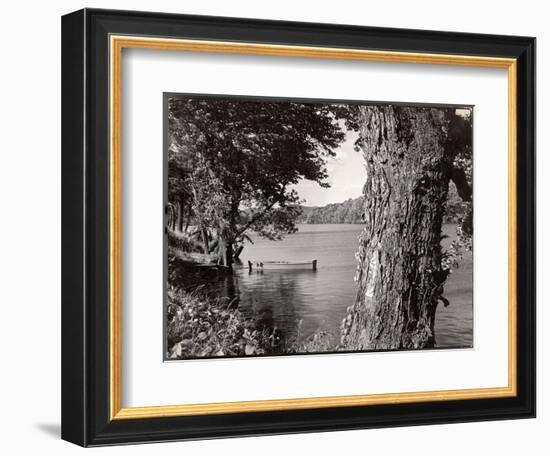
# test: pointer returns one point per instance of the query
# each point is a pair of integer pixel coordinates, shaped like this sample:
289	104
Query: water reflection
273	298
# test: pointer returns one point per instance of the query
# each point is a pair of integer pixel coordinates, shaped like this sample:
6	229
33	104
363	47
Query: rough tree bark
399	271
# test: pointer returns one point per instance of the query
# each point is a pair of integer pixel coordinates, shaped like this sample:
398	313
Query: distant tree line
351	211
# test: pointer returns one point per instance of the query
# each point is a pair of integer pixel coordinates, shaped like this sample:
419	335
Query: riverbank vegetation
199	326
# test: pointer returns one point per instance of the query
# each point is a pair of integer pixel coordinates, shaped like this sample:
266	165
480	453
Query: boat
286	265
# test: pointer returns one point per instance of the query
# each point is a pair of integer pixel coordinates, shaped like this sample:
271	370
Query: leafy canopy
238	160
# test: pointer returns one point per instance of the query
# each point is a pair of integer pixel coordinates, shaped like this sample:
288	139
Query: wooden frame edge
165	411
512	227
120	42
115	234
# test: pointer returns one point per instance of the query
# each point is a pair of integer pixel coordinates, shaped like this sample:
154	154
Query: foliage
179	241
456	208
460	146
459	208
199	327
319	342
234	162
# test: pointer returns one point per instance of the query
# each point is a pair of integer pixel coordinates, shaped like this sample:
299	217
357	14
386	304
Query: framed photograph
275	226
279	227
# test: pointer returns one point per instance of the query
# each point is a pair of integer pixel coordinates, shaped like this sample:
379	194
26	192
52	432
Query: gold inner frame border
116	46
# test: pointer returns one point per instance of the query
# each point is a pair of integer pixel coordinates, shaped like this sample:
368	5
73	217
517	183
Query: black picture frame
86	416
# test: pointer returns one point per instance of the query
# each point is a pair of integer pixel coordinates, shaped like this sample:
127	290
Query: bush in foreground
200	327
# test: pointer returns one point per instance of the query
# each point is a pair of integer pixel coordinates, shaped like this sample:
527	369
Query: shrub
199	327
318	342
179	241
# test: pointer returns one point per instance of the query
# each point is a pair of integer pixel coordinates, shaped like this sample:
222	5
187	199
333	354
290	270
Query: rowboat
287	265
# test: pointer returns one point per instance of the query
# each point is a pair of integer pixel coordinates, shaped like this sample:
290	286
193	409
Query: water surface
299	302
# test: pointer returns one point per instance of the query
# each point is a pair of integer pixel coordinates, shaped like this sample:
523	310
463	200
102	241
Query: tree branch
463	188
255	218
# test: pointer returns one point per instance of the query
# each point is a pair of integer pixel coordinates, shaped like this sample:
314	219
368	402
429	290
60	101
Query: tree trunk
238	252
181	209
171	216
225	252
187	219
205	240
174	218
399	271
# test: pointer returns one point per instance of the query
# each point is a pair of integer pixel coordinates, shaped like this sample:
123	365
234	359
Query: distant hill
350	211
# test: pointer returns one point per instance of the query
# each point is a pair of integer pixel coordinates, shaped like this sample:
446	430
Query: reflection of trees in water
270	298
208	280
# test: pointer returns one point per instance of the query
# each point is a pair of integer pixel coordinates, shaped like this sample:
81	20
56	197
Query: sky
347	176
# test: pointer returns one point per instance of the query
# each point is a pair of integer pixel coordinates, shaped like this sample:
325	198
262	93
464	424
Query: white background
30	229
148	73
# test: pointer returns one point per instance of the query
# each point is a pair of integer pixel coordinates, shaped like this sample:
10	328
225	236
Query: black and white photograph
307	226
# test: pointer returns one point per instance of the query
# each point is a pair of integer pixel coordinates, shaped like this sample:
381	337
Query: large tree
238	161
411	156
